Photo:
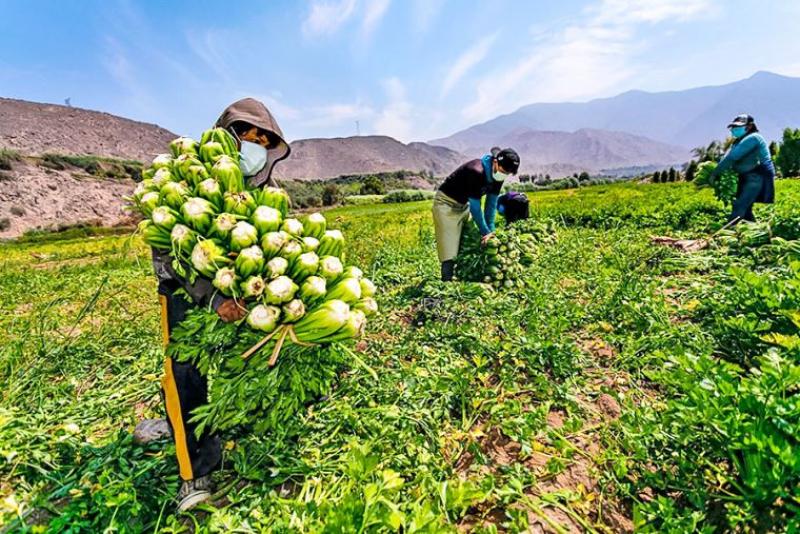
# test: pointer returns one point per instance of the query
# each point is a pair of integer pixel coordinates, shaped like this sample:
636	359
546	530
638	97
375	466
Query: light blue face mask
252	158
499	176
738	131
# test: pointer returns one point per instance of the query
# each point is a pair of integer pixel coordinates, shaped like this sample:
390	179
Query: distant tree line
667	175
787	153
331	192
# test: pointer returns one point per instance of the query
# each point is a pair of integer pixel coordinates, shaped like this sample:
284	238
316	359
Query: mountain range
588	149
329	158
686	118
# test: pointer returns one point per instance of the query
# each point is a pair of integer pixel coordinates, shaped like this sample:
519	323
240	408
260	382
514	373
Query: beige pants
448	220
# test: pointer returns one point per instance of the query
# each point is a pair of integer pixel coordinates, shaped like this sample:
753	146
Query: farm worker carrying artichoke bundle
513	206
749	157
261	145
460	194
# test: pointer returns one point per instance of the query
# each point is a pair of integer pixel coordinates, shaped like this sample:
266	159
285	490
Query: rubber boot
448	267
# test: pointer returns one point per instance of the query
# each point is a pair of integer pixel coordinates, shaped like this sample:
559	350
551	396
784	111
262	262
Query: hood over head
251	111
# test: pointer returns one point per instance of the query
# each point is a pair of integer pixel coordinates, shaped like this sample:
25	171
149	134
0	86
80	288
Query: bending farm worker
460	194
749	157
513	206
261	145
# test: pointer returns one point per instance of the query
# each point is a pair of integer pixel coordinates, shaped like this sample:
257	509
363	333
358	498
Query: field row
625	385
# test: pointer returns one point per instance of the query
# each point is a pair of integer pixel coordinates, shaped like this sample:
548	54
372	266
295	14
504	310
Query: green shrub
7	157
100	167
331	195
358	200
71	231
408	195
373	186
788	157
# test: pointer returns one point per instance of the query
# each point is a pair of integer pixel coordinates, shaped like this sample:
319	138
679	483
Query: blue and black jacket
468	184
750	155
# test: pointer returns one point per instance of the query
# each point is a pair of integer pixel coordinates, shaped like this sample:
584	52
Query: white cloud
466	61
394	119
588	58
122	71
303	121
327	16
652	11
342	115
786	69
215	48
373	13
281	110
424	13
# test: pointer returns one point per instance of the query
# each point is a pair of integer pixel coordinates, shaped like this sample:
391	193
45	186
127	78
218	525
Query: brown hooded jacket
251	111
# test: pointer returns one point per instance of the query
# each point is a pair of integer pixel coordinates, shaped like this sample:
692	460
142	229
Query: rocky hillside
37	193
40	190
34	128
329	158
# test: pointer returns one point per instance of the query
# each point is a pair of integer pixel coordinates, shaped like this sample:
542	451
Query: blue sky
413	69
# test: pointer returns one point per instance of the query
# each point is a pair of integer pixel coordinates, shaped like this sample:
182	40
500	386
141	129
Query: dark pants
184	389
750	187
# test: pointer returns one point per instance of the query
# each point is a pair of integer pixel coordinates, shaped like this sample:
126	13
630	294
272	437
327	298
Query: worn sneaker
151	430
194	492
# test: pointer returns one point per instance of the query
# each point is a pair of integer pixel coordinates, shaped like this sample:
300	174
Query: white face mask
499	176
252	158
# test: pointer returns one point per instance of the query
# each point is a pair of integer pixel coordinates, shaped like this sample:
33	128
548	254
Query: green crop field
626	385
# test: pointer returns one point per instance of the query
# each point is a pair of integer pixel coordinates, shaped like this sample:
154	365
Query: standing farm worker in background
749	157
261	145
460	194
513	206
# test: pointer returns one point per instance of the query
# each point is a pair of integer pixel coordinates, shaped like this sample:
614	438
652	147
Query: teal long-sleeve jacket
484	219
750	152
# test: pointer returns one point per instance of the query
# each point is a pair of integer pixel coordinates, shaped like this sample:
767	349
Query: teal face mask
252	158
738	131
499	176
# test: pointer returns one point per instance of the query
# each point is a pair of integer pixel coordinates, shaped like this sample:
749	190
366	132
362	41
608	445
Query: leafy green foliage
331	195
474	409
502	261
725	185
250	392
7	158
373	186
94	165
691	171
788	157
407	195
